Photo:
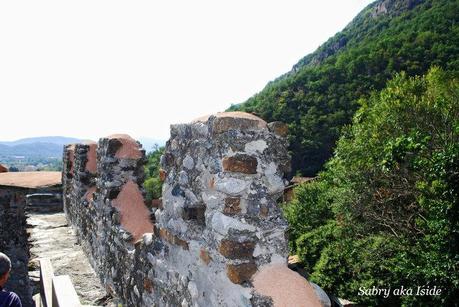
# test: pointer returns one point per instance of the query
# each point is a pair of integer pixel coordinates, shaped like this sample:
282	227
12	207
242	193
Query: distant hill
52	146
59	140
320	94
36	147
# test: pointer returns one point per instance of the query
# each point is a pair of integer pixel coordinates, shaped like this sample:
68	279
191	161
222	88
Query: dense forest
321	93
385	212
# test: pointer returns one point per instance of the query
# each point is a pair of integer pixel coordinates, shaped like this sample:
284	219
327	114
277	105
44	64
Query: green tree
392	197
13	169
153	184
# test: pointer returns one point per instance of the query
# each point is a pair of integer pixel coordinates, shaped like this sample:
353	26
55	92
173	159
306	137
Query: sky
91	68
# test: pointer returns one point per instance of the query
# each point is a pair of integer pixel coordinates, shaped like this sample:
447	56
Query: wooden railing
55	291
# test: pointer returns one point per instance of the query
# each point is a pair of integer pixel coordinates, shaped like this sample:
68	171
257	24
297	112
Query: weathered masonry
217	238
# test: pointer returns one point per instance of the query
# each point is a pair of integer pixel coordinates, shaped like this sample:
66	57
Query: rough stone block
157	203
225	121
231	186
148	285
264	211
236	250
172	239
240	163
239	273
162	175
232	205
195	214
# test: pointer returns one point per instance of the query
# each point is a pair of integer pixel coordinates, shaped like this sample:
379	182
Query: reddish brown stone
240	163
205	256
182	243
173	239
165	235
264	211
157	203
232	205
239	273
148	285
162	175
236	250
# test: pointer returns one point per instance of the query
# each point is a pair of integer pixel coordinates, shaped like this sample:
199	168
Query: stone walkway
51	237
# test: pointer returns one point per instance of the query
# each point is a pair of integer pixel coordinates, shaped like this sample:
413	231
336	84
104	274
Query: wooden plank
64	294
37	299
46	281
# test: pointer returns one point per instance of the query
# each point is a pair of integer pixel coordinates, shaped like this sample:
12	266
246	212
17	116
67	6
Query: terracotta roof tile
30	179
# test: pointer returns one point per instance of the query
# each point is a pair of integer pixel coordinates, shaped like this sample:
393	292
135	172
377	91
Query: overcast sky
91	68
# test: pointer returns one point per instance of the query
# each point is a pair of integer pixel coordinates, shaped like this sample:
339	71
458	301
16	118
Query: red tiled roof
3	169
30	179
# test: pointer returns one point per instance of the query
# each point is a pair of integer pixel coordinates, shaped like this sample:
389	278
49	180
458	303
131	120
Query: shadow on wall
15	200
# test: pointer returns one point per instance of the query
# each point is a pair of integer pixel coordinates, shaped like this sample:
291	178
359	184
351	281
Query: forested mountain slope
321	93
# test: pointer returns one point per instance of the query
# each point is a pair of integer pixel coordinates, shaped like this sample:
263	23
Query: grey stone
183	178
188	162
231	186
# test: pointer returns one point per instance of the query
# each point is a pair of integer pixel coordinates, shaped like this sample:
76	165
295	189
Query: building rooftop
32	180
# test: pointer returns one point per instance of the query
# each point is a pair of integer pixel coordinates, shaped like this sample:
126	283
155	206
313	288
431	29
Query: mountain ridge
61	140
52	146
319	96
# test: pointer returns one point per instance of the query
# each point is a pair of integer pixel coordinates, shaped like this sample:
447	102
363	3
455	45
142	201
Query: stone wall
217	238
13	240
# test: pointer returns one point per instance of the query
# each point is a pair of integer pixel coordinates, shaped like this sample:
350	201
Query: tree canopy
385	212
153	184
